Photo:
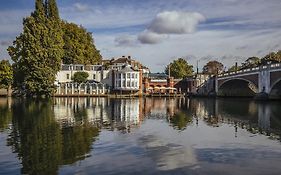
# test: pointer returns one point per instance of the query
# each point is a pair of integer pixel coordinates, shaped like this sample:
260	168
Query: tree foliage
180	120
213	67
80	77
271	58
37	52
6	74
179	68
79	45
234	68
251	62
43	144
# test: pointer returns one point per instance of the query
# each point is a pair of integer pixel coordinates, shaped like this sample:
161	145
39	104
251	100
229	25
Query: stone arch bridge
250	82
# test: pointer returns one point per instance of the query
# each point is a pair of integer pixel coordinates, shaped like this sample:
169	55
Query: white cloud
125	41
175	22
170	22
148	37
81	7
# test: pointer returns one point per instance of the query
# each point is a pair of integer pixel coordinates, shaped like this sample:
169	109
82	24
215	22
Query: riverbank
118	95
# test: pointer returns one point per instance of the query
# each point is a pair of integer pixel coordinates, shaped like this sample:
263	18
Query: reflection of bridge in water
254	116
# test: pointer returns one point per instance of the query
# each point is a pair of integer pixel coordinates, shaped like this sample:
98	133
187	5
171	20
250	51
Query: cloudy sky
157	31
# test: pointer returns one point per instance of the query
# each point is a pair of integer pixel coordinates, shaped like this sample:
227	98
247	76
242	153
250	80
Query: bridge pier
264	81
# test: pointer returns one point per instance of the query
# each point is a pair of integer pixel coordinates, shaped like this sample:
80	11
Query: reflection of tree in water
39	141
77	141
180	120
80	113
5	115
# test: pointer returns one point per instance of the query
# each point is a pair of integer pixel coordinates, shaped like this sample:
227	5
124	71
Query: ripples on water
140	136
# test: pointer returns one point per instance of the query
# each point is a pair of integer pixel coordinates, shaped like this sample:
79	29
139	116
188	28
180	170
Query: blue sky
157	31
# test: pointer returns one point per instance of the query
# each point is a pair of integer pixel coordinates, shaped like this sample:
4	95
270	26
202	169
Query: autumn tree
79	45
37	51
213	67
179	68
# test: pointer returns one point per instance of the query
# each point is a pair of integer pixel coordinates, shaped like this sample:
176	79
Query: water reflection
127	114
48	134
5	113
254	116
40	142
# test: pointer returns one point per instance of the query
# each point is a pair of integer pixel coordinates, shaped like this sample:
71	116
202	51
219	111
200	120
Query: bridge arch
237	87
275	89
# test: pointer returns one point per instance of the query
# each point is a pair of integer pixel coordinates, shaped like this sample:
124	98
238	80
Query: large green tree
179	68
37	51
6	74
79	45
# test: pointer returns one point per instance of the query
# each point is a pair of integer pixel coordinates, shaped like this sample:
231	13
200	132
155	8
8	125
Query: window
124	75
67	76
94	76
119	76
133	75
136	75
128	75
133	83
123	83
128	84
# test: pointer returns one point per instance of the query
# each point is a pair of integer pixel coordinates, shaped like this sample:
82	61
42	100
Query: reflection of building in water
161	106
110	113
127	111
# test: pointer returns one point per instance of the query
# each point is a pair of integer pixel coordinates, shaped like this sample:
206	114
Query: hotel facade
116	76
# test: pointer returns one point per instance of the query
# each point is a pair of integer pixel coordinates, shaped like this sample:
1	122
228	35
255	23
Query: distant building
121	75
195	84
155	83
127	79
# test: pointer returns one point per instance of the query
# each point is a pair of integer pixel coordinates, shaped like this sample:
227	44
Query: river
140	136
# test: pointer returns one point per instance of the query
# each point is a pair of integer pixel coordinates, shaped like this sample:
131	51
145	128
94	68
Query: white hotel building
118	77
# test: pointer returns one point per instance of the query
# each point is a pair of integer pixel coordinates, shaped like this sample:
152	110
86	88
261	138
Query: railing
254	69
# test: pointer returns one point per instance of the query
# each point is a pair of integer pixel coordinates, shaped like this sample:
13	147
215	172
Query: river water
140	136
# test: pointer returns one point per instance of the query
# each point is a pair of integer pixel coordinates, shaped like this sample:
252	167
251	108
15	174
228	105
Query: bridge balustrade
254	69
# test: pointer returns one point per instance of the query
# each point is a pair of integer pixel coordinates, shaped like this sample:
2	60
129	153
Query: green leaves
46	42
251	62
213	67
79	46
179	68
6	74
80	77
37	53
272	58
